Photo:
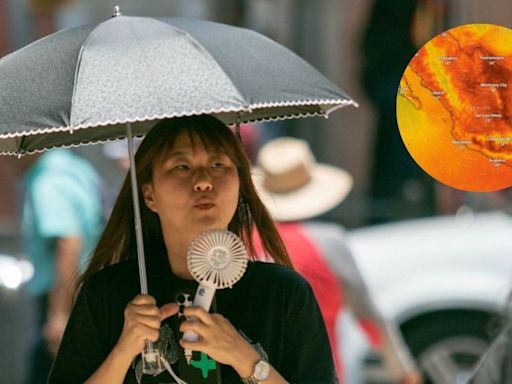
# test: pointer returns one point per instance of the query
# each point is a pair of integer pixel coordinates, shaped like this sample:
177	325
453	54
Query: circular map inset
454	107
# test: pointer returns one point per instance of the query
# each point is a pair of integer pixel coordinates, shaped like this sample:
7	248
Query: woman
192	176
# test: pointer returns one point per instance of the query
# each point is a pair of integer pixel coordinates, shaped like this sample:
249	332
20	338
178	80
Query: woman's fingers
151	316
218	338
142	305
194	325
168	310
145	304
203	321
198	345
144	332
141	299
149	321
198	313
142	320
148	310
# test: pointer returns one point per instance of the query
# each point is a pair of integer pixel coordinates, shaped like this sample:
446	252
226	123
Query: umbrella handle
151	362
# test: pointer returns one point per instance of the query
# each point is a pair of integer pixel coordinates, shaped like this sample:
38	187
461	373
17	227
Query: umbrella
60	89
115	79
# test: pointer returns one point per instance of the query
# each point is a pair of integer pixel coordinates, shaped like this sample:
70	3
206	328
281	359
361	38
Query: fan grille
218	258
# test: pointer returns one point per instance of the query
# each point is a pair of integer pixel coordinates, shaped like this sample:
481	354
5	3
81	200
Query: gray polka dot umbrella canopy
82	85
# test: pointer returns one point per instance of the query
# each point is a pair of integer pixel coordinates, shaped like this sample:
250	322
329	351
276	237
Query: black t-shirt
271	305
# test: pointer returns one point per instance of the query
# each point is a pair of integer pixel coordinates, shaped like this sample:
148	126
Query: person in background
399	189
295	188
61	221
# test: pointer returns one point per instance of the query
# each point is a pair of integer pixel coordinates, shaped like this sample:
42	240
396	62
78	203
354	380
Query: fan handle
203	298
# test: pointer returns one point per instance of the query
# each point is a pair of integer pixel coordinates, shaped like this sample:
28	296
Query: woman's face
193	189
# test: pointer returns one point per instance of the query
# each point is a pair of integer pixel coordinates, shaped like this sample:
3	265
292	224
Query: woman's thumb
168	310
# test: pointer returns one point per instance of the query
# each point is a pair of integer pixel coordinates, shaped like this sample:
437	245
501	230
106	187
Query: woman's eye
218	165
181	167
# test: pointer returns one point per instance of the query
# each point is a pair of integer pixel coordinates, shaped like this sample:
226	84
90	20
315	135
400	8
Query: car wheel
446	348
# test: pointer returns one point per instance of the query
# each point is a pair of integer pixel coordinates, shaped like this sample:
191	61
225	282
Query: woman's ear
149	197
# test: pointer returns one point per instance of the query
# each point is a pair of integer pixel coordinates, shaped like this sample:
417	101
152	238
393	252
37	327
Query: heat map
454	107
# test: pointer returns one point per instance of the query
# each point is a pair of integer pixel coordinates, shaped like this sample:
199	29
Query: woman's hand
142	320
219	339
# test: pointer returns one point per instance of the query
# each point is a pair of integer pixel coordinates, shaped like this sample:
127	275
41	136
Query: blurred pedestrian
295	190
61	221
399	188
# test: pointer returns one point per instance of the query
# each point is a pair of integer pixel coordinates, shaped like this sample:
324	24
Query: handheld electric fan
216	259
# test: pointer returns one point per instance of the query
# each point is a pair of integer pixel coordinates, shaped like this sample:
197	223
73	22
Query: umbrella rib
21	151
77	69
213	61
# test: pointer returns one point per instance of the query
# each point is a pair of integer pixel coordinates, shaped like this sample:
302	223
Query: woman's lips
204	206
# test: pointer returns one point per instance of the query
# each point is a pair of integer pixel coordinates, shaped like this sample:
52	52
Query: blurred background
363	46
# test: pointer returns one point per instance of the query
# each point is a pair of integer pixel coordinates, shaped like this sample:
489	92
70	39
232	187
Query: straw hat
292	185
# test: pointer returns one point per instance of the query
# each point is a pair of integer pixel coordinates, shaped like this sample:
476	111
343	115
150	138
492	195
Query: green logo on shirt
205	364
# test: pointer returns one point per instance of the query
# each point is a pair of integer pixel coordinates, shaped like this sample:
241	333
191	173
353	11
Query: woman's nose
203	182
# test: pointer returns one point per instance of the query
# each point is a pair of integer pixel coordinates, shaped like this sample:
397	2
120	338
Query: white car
444	280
